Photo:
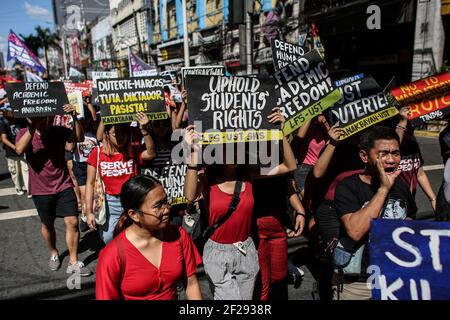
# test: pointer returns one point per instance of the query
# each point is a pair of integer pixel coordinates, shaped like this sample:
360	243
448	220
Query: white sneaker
78	268
20	192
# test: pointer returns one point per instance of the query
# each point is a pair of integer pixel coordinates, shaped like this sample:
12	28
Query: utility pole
63	38
149	8
137	32
185	35
248	36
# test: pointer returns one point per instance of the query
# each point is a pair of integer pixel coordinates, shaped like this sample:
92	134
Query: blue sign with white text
409	260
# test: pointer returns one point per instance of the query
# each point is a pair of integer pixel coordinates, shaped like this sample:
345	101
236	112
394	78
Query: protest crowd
201	167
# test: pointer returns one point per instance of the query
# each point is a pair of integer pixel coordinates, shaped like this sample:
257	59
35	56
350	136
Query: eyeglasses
159	209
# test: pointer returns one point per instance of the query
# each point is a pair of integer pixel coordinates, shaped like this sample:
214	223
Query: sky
22	16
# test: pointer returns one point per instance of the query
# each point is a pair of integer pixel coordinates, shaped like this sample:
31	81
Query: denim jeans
113	212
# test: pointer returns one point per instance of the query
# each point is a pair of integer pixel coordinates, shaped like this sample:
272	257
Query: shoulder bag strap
233	205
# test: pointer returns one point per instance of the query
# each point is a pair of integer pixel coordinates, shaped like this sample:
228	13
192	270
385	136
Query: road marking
7	192
18	214
433	167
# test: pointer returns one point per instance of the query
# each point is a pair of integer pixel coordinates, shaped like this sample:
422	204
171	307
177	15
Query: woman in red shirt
148	256
229	256
117	163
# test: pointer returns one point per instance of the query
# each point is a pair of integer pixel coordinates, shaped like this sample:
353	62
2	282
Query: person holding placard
229	255
50	184
148	257
118	162
308	143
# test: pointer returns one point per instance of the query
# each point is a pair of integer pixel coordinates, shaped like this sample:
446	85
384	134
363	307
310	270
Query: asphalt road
23	257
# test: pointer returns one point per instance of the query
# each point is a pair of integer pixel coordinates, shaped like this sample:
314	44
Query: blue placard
409	260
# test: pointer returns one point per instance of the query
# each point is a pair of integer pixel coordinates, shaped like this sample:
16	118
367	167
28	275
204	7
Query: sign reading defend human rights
305	90
363	104
284	53
121	99
232	109
409	260
427	99
36	99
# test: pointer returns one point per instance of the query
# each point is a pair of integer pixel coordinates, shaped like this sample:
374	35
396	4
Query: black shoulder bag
233	205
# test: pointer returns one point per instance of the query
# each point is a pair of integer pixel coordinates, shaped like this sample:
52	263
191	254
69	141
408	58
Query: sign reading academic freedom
121	99
36	99
172	178
427	99
409	260
305	90
232	109
363	104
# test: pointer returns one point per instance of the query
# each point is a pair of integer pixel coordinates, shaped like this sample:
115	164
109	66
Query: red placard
435	108
422	90
85	88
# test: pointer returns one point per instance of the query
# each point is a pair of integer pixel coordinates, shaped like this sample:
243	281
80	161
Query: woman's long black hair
132	196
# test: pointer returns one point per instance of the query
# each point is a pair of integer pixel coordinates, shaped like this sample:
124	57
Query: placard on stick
121	99
305	90
363	104
232	109
36	99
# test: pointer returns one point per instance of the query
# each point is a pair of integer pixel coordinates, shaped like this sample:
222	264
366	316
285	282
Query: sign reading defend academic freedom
363	104
305	90
121	99
284	53
172	178
232	109
427	99
36	99
409	260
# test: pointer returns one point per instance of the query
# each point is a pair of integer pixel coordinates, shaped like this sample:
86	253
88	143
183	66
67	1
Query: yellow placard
367	122
132	117
241	136
305	115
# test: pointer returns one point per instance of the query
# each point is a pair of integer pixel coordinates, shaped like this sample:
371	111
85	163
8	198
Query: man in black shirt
375	193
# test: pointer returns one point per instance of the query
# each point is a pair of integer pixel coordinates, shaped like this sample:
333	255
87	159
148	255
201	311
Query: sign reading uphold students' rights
121	99
305	90
36	99
172	178
409	260
284	53
428	98
238	105
363	104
